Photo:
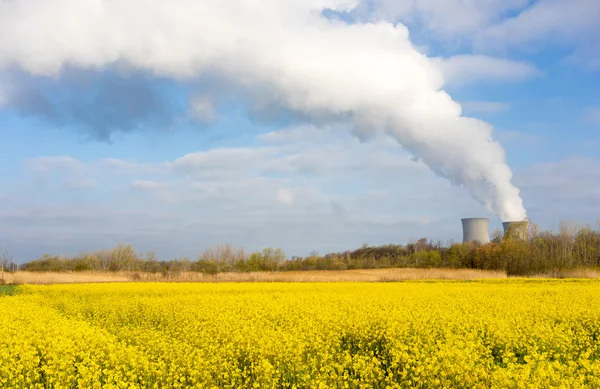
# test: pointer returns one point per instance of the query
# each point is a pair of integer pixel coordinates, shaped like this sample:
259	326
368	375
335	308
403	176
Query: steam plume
278	54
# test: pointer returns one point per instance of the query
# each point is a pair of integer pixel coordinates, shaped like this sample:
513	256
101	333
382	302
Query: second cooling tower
476	229
516	229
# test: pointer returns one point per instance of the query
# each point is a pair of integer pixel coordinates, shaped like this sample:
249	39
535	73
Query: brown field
367	275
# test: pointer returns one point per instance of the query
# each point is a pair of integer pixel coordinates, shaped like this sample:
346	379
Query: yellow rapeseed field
478	334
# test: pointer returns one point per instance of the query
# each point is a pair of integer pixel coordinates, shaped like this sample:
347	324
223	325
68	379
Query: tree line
548	252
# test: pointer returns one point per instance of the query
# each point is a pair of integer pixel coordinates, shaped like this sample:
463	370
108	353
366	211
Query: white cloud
285	196
205	189
221	162
556	19
202	108
282	56
473	69
147	185
47	164
478	107
160	189
498	26
445	18
549	23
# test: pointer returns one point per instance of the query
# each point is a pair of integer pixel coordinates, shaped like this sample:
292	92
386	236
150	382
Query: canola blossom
484	334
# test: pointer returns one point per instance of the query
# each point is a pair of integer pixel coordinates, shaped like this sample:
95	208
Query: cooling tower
476	229
516	229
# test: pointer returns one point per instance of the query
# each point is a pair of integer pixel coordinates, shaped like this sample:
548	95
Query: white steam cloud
280	55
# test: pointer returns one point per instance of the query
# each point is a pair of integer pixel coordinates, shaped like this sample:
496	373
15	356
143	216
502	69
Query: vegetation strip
541	252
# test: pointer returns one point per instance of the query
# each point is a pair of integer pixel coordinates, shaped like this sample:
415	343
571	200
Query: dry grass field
367	275
364	275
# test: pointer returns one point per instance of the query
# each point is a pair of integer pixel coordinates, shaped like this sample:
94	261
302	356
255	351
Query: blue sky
175	142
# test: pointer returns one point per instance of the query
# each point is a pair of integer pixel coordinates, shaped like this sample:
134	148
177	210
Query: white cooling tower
516	229
476	229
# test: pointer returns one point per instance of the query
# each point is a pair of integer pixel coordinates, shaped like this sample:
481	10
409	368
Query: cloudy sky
311	125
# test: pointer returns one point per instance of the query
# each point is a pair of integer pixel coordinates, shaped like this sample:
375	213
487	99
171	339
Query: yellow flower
489	334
